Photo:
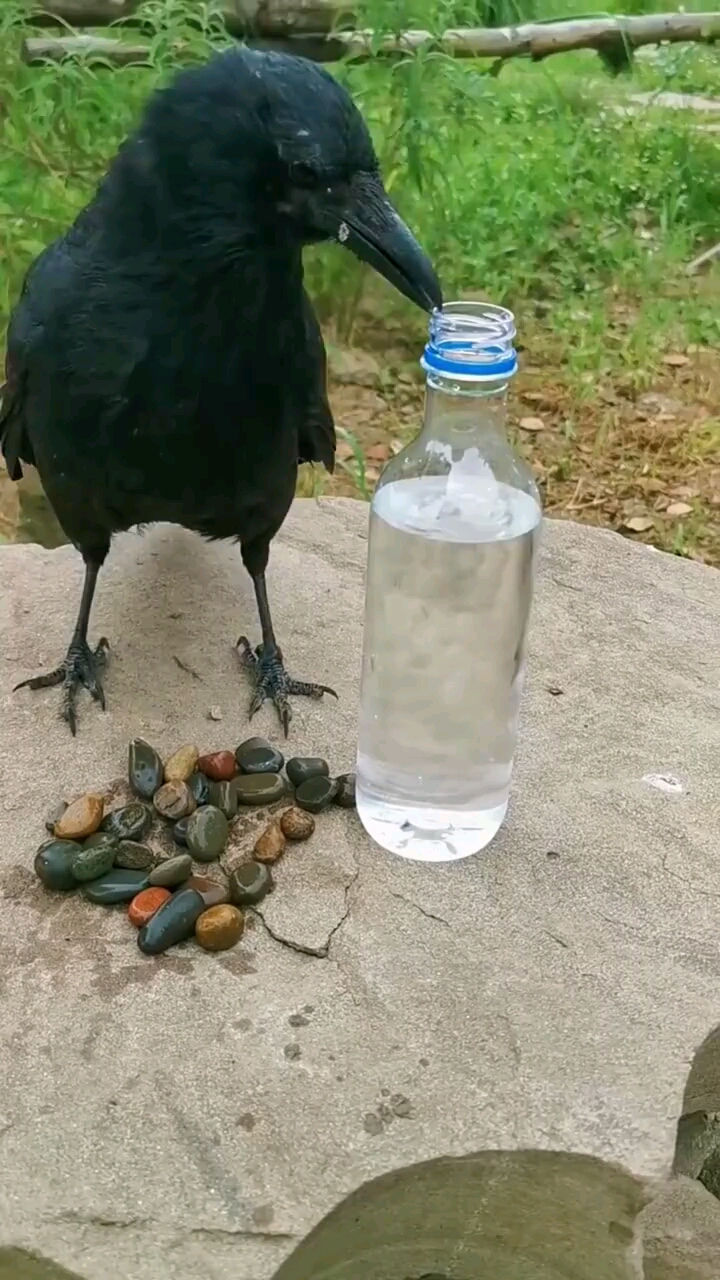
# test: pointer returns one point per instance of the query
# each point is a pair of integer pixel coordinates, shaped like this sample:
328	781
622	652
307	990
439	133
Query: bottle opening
471	341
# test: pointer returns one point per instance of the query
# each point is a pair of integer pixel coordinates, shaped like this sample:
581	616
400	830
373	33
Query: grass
535	187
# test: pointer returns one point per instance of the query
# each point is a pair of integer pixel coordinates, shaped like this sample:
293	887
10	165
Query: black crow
164	361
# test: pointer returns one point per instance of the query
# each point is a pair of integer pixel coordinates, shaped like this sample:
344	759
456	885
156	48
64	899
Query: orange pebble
146	904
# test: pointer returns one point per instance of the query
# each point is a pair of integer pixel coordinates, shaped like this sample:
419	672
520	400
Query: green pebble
93	862
249	883
145	769
258	788
54	864
172	872
132	822
316	794
172	923
300	768
226	799
119	885
258	756
345	795
134	856
199	787
207	832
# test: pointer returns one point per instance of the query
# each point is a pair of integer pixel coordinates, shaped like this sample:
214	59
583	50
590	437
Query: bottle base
427	834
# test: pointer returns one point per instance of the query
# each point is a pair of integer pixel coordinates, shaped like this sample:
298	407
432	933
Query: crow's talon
272	681
82	666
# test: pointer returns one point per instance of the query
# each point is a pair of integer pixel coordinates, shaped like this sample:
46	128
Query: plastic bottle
453	535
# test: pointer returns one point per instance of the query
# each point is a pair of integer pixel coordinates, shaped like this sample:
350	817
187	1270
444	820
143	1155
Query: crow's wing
316	436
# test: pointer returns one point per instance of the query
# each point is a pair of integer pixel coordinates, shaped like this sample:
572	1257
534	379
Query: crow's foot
82	666
272	681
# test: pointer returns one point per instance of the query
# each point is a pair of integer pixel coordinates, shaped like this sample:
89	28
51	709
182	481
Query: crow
164	361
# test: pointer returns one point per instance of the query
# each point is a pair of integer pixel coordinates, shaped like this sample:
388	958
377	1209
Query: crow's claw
272	681
82	666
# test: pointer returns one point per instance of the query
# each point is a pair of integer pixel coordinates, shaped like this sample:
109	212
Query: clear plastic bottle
453	536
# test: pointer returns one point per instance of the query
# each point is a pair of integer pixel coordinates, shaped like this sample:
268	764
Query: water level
449	589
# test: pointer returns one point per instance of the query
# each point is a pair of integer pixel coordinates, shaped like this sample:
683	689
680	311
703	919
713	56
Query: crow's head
272	149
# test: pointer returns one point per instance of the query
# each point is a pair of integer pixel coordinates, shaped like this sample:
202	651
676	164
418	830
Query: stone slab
550	993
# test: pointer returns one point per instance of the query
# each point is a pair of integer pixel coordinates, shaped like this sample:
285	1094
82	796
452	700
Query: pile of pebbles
196	800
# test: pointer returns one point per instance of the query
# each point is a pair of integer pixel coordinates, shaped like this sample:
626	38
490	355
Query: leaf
675	360
638	524
677	509
532	424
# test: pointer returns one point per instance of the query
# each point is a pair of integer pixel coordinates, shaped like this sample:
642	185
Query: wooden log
535	40
118	53
261	17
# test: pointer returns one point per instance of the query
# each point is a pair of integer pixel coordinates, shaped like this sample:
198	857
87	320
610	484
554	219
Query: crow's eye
303	175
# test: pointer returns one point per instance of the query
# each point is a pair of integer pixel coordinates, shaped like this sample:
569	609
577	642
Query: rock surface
550	993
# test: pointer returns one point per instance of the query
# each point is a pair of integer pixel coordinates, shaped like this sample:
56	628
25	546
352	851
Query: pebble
54	864
54	816
134	856
179	832
259	788
250	883
172	872
219	765
271	844
296	824
345	795
300	768
172	923
145	769
199	788
225	798
80	819
132	822
118	885
257	755
92	862
144	906
174	801
212	891
316	794
101	840
182	764
219	928
207	832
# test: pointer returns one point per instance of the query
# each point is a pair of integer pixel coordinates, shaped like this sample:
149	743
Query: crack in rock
74	1216
321	952
429	915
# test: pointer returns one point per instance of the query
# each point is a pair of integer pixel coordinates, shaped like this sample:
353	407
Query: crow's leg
82	665
265	663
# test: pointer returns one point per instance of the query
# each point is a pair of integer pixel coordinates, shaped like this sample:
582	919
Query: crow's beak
368	224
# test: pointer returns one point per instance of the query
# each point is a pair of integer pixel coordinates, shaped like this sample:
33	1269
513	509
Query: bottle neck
461	412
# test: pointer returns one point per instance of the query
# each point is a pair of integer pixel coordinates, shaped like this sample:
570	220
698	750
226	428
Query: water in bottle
453	534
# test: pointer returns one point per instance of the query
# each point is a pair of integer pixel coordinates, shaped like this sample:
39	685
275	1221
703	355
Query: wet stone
296	824
172	872
256	755
219	765
134	856
316	794
93	862
300	768
271	844
225	798
54	864
132	822
172	923
199	788
119	885
145	769
182	764
80	819
219	928
250	883
259	788
54	816
179	833
345	797
213	892
207	833
174	801
101	840
143	907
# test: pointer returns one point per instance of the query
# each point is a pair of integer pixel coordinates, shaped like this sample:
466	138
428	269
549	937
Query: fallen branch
703	260
262	17
534	40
